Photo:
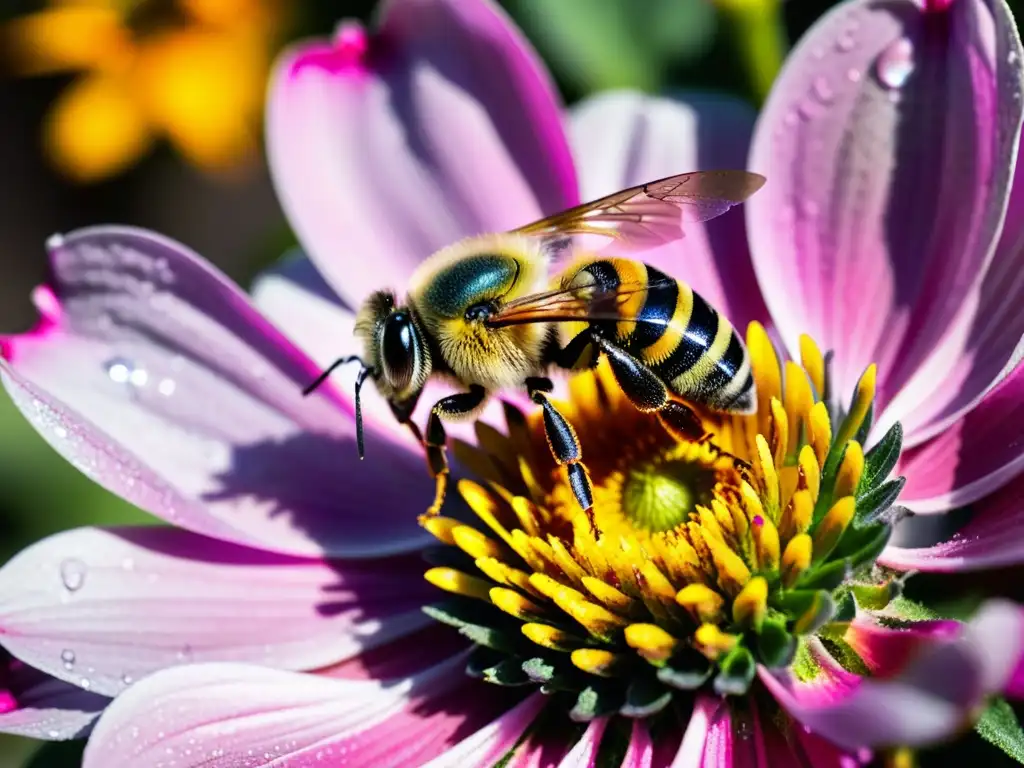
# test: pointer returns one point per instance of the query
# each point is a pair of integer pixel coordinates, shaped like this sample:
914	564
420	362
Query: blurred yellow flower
192	71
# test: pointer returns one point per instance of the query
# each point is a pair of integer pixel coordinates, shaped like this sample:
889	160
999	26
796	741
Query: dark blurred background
218	199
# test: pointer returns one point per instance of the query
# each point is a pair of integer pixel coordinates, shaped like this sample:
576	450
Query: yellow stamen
813	363
798	400
550	637
779	432
862	400
484	506
796	559
597	662
441	528
599	621
764	469
703	602
832	526
850	470
821	432
766	544
810	472
713	642
652	642
751	604
515	604
503	573
474	543
797	517
609	595
732	571
765	364
459	583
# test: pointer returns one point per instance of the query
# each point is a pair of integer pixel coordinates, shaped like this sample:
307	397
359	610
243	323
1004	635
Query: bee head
396	351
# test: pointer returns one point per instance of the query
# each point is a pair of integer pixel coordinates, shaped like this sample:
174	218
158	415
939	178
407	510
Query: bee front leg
562	440
648	393
435	441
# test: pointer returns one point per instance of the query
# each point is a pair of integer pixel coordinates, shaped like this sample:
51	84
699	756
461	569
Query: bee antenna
329	370
363	373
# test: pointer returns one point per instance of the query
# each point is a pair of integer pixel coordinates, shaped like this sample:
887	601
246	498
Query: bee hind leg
649	393
435	441
565	446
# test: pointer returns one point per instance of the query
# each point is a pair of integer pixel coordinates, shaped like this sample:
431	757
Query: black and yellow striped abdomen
670	328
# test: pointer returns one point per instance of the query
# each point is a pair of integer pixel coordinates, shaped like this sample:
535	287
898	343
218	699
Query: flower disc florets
699	560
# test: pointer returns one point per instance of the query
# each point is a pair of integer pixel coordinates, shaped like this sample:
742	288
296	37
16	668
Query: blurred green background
228	212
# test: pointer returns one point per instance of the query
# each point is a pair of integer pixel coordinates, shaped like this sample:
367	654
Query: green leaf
875	502
998	726
881	460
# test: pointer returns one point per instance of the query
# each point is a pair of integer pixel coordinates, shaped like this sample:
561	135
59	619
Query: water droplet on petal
854	75
1011	57
167	387
86	683
68	657
822	90
119	370
895	65
72	574
846	43
127	679
54	241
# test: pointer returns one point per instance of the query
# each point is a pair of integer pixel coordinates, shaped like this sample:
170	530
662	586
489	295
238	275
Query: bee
485	314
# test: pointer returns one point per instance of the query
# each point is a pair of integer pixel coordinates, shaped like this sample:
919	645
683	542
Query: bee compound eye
398	349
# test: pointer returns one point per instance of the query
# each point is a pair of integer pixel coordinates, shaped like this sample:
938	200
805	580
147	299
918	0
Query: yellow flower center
698	560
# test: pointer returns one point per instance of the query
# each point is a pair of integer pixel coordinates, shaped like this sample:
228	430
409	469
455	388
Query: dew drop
1011	57
167	387
86	683
854	75
127	679
846	43
68	657
55	241
53	734
72	574
185	654
822	90
895	65
119	370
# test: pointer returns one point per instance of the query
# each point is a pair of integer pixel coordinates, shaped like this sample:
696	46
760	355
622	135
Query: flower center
698	561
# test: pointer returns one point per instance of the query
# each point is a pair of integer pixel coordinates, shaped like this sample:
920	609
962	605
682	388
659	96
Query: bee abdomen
697	352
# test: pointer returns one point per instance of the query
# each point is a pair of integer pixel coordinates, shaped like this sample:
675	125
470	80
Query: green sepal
775	645
875	597
645	696
491	638
846	607
552	675
808	609
881	460
686	671
463	611
860	546
827	576
596	700
873	504
833	461
493	667
998	726
736	673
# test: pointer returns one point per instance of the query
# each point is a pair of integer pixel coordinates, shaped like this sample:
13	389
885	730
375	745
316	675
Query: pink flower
877	234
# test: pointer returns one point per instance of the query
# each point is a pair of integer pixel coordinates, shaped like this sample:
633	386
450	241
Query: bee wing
573	305
654	213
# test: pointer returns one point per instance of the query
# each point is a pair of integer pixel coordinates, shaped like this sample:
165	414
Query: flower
193	72
161	381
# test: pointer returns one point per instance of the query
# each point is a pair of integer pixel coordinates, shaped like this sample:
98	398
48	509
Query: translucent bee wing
651	214
573	305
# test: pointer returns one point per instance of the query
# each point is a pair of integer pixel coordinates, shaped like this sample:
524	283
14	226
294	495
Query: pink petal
888	142
970	360
40	707
887	650
104	608
702	742
232	714
386	147
933	697
155	376
487	746
641	749
401	656
971	459
993	538
996	634
584	754
622	139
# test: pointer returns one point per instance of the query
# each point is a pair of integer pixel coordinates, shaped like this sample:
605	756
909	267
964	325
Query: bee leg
435	440
648	393
569	355
562	440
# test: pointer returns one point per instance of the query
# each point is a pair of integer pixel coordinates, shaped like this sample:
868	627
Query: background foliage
233	218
